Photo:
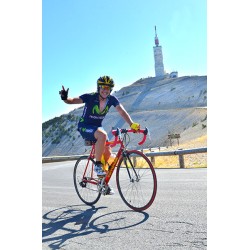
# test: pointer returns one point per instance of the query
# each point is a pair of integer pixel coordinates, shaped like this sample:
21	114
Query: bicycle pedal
101	176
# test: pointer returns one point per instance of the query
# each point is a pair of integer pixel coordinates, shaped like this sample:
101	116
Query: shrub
204	119
194	124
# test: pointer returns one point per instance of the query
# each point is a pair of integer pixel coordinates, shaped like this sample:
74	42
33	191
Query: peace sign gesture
64	93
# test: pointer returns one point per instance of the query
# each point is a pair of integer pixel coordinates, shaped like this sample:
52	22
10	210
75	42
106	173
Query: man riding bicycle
96	107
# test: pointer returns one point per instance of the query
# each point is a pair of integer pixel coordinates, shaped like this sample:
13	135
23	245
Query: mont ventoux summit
165	104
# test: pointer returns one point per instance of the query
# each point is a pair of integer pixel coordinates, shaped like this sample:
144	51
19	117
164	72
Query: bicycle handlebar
117	133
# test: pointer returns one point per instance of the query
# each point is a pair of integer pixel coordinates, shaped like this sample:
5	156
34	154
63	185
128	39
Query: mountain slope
165	106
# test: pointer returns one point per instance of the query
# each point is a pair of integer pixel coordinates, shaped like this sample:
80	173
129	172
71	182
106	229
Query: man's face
104	91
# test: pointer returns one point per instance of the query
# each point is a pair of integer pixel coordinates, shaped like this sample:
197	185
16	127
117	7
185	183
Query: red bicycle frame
117	133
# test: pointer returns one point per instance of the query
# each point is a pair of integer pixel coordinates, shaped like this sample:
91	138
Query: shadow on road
69	222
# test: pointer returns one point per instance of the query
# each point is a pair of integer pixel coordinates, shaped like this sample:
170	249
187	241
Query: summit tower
159	67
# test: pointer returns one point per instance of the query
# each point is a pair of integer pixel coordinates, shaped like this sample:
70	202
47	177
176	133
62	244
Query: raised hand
64	93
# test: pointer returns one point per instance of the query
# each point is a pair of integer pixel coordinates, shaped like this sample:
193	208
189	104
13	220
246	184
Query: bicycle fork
126	159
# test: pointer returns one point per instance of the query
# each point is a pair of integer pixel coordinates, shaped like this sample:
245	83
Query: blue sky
82	40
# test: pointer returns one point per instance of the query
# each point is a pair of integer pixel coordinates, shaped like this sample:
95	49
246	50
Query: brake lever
149	136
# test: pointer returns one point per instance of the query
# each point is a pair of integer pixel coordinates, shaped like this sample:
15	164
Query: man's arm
124	114
64	96
75	100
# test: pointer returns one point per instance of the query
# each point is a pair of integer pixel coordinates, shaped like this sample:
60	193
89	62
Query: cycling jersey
91	112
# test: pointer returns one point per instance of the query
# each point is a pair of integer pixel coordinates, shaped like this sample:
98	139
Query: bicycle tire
137	193
87	191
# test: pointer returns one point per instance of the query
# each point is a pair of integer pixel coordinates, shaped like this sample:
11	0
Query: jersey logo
97	110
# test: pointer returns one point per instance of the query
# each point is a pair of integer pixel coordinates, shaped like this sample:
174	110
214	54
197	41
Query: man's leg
100	149
107	153
101	137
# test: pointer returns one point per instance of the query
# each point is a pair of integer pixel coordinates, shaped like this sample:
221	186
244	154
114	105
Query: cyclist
96	107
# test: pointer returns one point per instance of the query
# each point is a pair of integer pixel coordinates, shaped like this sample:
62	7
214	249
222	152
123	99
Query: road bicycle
135	175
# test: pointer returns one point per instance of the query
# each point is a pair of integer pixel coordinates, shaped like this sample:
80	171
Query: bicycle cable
125	138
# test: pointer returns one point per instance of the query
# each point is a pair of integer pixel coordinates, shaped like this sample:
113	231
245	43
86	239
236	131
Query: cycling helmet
106	81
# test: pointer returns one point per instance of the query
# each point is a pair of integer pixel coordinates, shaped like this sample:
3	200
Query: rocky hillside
165	106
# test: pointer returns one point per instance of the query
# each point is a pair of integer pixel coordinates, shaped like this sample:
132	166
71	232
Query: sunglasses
105	87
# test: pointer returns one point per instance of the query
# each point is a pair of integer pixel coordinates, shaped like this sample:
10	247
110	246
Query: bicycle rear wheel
86	185
136	180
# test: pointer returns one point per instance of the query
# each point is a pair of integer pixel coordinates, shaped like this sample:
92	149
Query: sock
98	163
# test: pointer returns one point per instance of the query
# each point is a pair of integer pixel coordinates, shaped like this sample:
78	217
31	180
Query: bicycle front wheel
136	180
86	185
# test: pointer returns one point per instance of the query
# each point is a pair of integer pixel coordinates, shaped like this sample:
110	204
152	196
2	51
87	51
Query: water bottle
111	158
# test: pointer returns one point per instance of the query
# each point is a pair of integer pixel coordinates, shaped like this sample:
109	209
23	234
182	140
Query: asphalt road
176	220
